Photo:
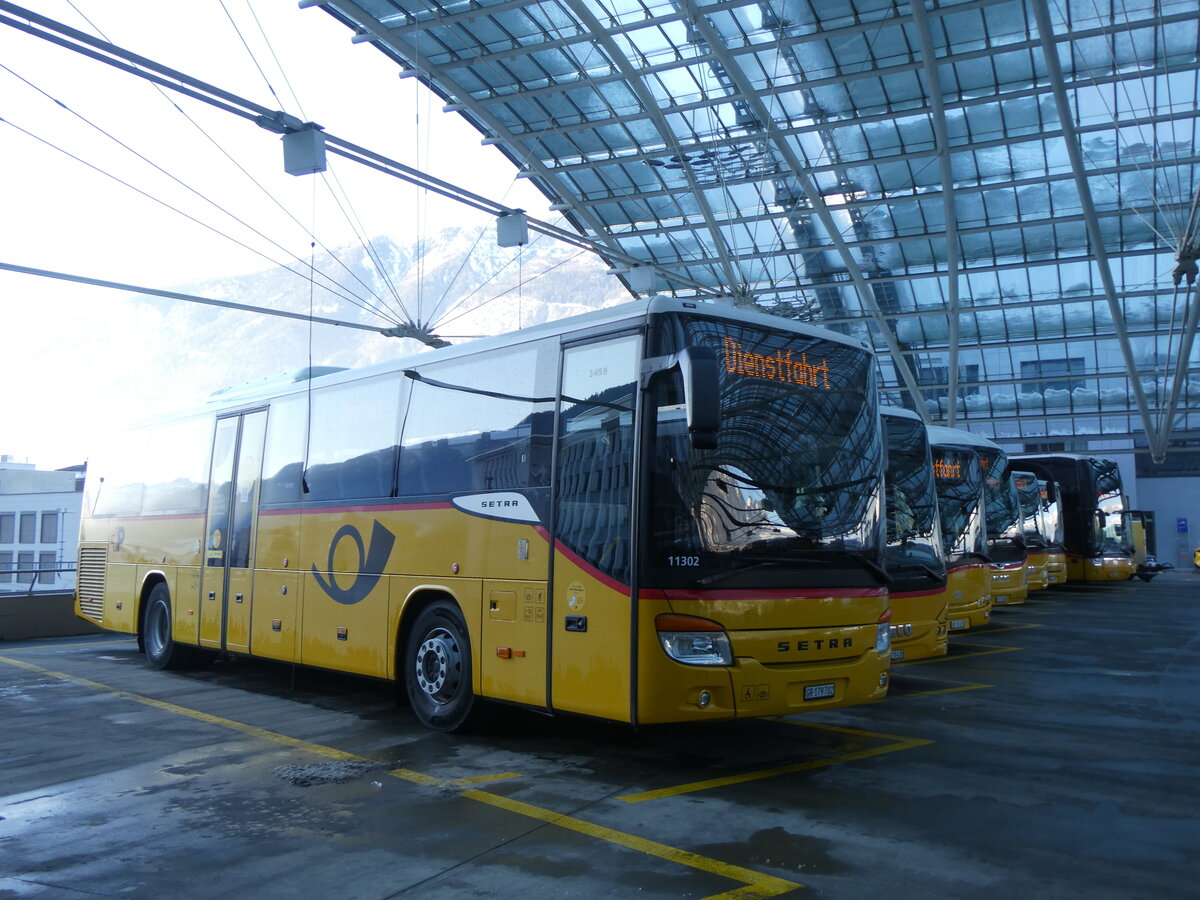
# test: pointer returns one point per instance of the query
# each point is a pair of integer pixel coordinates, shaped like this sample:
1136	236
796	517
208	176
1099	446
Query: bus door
230	530
590	606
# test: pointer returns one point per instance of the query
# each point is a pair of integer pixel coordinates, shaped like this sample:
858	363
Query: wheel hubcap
438	665
157	632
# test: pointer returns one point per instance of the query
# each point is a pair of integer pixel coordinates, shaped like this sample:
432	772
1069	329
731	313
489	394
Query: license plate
897	654
818	692
1002	598
958	623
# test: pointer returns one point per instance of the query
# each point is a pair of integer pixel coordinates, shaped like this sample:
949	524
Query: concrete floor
1054	754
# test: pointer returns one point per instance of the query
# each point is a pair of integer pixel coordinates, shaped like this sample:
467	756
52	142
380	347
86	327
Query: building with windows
39	527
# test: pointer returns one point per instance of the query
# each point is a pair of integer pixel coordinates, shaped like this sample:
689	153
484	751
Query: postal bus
1033	530
1005	541
1096	523
916	559
1052	514
958	477
664	511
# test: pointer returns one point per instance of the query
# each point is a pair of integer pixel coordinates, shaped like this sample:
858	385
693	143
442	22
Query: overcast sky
77	198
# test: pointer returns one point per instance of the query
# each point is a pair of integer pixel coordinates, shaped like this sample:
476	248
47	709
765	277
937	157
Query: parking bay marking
754	884
899	743
958	685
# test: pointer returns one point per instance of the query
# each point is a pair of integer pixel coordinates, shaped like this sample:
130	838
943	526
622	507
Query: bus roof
899	412
631	313
942	436
1075	457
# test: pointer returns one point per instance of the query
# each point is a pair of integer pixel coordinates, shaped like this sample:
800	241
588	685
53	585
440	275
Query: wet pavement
1053	754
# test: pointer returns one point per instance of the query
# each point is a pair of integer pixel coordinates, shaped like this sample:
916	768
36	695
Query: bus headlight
694	641
883	632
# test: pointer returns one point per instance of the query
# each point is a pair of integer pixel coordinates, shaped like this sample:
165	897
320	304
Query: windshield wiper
919	567
832	555
729	573
967	554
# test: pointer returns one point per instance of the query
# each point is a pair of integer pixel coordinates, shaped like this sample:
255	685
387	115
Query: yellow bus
1034	530
1008	558
665	511
1097	533
961	507
916	558
1051	515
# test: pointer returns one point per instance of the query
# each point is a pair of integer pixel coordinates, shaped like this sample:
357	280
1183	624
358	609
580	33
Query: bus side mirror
698	368
702	394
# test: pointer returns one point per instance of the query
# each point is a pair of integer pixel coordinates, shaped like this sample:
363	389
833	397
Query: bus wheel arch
434	664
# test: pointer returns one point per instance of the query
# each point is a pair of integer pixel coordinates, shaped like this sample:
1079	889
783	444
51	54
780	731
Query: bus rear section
916	561
958	477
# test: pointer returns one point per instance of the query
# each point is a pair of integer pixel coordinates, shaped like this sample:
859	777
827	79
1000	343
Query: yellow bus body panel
517	622
1108	568
970	590
1056	568
1036	574
773	660
590	672
512	654
1009	587
920	624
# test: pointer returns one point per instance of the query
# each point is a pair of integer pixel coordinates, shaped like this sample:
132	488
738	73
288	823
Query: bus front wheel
161	649
437	668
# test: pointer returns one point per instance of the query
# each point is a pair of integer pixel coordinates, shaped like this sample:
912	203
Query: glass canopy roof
1000	194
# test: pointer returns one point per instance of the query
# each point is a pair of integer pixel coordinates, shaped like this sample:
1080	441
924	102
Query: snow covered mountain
458	282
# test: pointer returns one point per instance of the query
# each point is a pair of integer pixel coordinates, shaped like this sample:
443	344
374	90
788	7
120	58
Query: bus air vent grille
93	564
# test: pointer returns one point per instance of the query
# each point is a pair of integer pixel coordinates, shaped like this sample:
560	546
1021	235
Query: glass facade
1000	195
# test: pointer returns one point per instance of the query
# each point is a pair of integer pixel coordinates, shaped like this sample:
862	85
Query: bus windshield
1004	519
1033	524
1052	512
791	493
1116	533
914	538
959	483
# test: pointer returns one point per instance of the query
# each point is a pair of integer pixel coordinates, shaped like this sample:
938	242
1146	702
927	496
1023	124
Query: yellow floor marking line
480	779
1014	627
273	736
898	743
958	685
970	654
755	884
55	645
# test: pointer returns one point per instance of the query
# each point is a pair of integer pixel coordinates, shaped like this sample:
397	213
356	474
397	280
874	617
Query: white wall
1172	500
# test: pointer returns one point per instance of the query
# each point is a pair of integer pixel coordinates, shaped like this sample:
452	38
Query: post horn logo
371	562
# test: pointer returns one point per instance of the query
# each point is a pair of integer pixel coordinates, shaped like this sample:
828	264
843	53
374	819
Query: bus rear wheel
161	649
437	669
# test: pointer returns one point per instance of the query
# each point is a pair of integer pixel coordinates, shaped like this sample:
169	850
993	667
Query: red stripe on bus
909	595
673	594
966	567
386	507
